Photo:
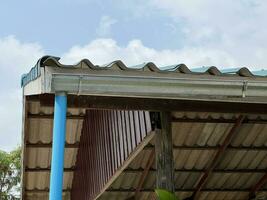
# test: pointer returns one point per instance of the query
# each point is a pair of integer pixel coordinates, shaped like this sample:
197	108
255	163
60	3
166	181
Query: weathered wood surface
164	153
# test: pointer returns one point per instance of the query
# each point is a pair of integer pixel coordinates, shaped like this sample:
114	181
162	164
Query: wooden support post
164	153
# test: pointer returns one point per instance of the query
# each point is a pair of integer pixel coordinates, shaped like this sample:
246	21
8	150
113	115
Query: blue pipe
59	133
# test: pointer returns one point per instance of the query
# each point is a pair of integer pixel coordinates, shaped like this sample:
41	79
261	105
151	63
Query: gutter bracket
244	88
80	85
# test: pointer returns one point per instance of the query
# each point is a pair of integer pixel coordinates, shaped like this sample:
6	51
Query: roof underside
195	144
38	143
197	136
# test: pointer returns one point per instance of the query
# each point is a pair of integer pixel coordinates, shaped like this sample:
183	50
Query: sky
222	33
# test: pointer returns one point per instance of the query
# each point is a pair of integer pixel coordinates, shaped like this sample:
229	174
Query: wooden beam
101	102
217	190
208	148
133	155
124	190
149	146
38	169
217	157
44	190
51	116
164	153
145	173
49	145
258	120
230	171
258	186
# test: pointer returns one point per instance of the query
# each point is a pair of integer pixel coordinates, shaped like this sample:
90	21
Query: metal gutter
239	90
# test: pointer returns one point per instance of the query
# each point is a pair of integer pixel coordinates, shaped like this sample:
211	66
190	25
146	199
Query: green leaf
165	195
10	174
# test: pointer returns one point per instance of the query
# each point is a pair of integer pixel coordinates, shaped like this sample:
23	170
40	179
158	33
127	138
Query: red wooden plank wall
107	139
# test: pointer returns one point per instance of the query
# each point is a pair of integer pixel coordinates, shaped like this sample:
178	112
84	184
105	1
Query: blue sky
58	25
224	33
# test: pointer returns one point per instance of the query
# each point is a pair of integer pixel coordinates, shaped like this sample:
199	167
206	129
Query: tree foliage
165	195
10	174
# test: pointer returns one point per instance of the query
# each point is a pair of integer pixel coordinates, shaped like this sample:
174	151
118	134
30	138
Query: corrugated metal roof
149	66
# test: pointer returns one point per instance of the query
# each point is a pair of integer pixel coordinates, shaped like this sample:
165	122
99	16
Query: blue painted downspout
59	132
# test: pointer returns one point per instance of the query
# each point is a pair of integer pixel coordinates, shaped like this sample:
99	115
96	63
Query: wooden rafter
152	170
174	119
133	155
258	186
225	171
38	169
149	146
151	190
51	116
129	190
208	148
145	173
218	120
217	158
35	190
49	145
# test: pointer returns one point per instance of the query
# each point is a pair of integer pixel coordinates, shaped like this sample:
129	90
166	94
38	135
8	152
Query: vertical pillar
164	153
59	132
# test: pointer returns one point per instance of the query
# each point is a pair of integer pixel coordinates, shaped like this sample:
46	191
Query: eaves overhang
148	82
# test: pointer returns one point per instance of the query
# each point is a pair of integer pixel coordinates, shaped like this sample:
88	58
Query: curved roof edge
53	61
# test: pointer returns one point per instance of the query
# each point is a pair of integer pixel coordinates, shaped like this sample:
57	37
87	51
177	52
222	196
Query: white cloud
102	51
15	59
222	33
105	24
237	28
